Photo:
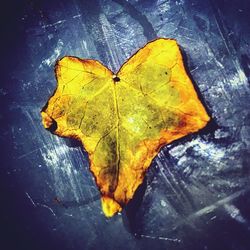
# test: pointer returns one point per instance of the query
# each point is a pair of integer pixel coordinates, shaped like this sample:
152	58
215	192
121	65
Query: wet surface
196	194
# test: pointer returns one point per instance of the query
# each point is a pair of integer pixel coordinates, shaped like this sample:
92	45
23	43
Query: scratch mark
210	208
30	152
47	207
31	200
54	24
108	36
227	42
76	16
234	212
159	238
70	215
57	51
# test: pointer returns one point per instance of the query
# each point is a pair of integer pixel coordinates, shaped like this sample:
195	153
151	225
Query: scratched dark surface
196	194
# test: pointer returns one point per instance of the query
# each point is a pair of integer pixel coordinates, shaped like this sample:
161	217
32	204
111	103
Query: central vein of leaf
117	133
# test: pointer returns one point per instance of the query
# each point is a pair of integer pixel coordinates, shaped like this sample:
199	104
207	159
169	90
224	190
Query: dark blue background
196	194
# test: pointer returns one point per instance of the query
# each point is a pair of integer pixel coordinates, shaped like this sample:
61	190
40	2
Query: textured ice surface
196	194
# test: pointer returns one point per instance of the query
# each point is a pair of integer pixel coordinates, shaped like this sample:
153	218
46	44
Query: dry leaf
124	119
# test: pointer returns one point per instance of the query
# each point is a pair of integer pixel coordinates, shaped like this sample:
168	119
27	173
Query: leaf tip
110	207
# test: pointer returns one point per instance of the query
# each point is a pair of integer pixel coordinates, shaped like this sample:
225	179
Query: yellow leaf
124	119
